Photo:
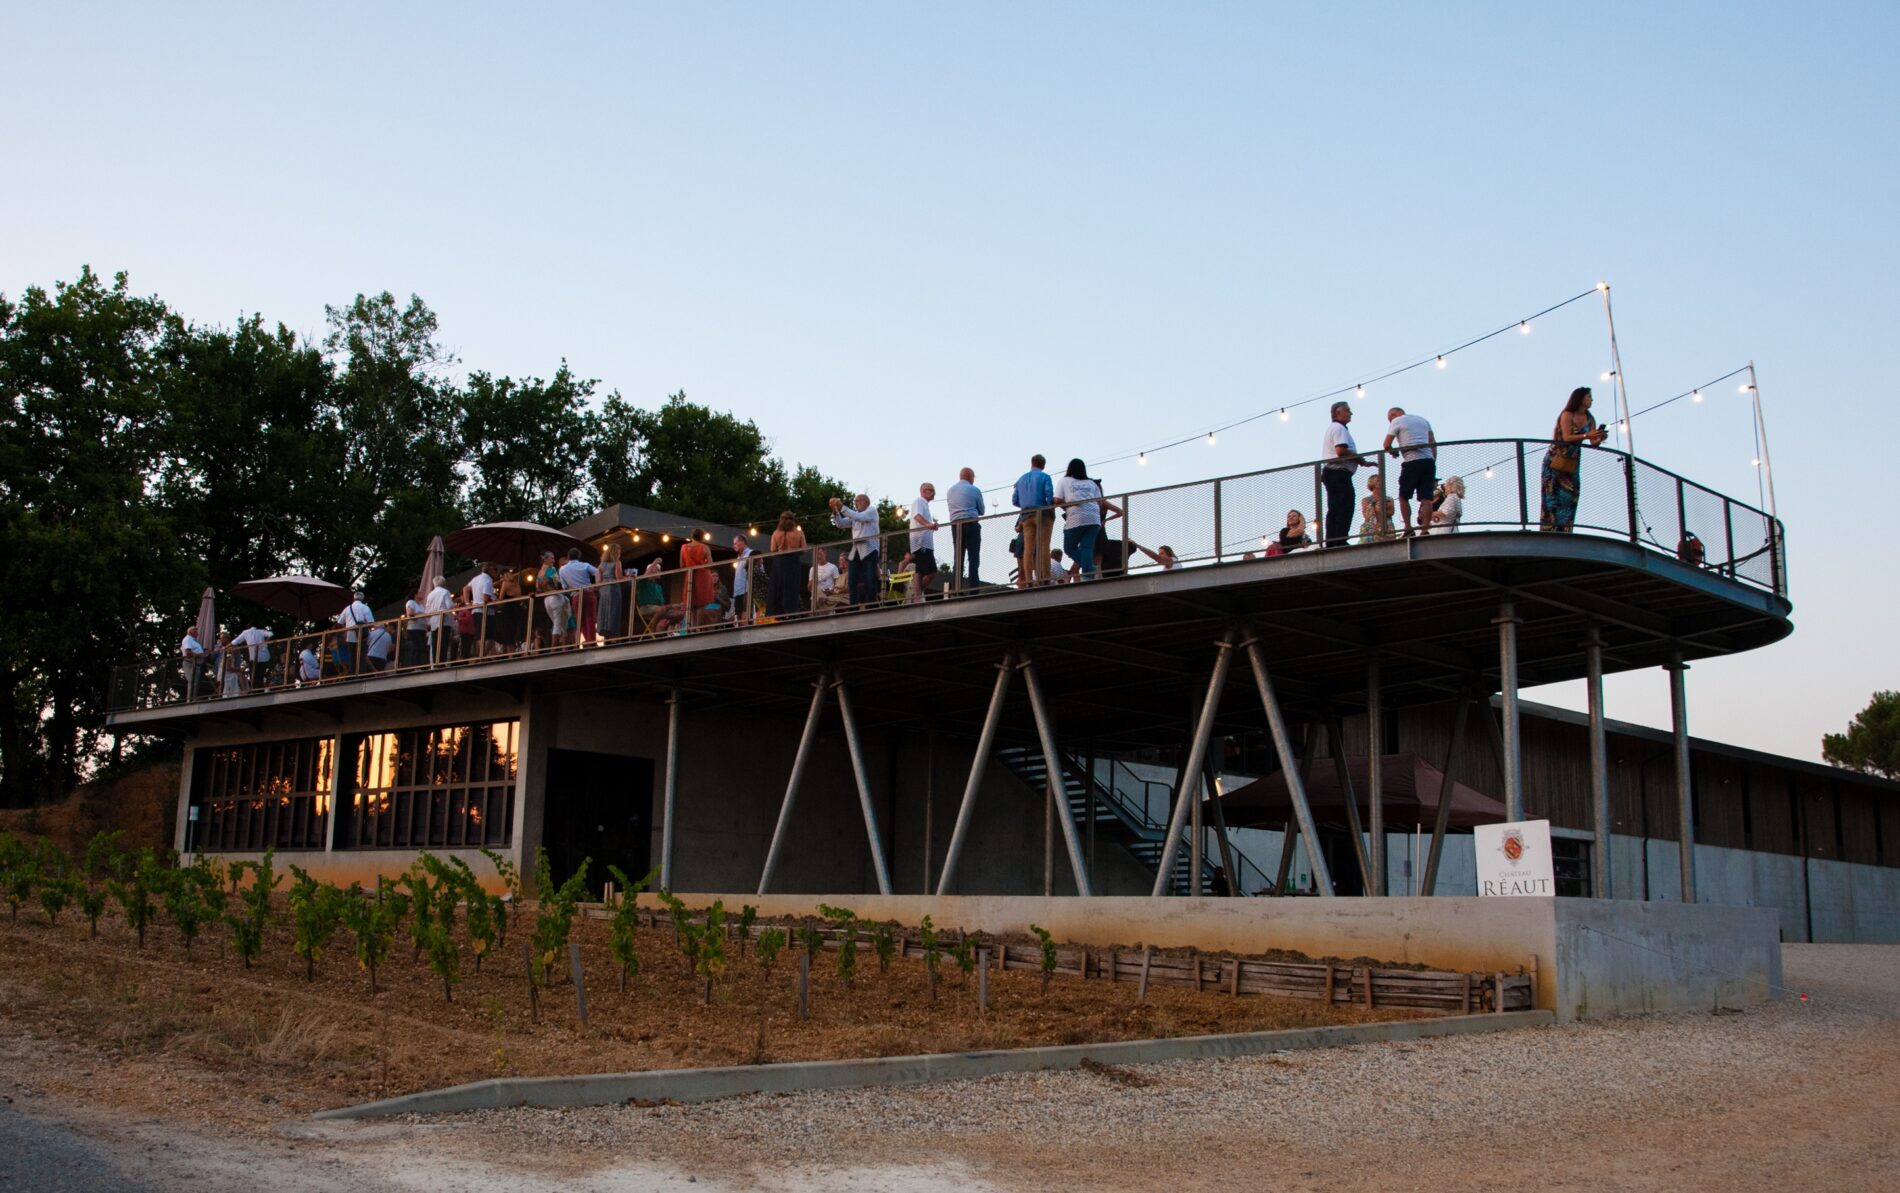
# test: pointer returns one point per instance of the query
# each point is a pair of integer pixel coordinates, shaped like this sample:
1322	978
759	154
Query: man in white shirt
862	564
255	641
480	590
923	543
356	613
439	606
309	666
824	580
578	573
1339	459
376	649
191	653
1410	436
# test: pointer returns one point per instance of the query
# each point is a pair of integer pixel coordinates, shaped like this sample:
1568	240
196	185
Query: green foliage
58	885
812	939
144	875
19	872
248	923
1871	744
1048	947
510	877
194	896
709	959
846	921
445	958
372	919
964	954
554	911
316	911
748	915
927	937
884	945
103	861
624	925
685	932
771	942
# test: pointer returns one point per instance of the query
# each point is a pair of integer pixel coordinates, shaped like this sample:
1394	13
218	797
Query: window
261	796
1570	864
420	788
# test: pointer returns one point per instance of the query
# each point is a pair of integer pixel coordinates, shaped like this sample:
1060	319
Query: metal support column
864	785
930	801
978	763
1512	730
1685	790
1210	707
1336	738
1052	761
1211	774
669	799
1599	769
799	759
1375	780
1290	767
1443	818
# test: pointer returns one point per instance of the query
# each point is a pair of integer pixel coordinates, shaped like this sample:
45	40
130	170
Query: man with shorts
1410	436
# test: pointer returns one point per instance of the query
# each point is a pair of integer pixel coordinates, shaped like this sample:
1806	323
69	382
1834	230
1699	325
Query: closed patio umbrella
431	568
207	625
304	597
515	543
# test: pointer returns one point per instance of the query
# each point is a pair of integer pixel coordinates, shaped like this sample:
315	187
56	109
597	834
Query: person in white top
256	643
1449	509
862	564
191	652
1410	436
355	614
440	604
923	543
578	573
480	590
824	579
1080	499
1339	459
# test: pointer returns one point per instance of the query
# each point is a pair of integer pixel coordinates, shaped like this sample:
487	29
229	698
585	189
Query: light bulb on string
1283	414
1141	458
1487	474
1441	362
1210	439
1605	376
1743	388
1755	463
666	538
1264	540
1624	426
1695	395
1603	287
1358	391
1524	326
752	531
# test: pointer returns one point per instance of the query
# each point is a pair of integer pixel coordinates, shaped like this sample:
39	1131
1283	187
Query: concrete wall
1593	957
1854	902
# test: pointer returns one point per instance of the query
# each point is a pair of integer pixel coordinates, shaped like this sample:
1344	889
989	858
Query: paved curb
703	1085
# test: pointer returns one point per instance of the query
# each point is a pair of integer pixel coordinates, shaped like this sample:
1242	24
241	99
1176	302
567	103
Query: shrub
373	920
194	897
1048	955
143	876
770	942
19	872
847	923
964	954
56	882
248	924
554	911
510	876
748	915
710	960
624	925
104	860
685	932
444	958
927	937
316	911
884	944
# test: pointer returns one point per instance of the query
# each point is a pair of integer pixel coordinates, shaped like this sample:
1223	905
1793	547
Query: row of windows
411	788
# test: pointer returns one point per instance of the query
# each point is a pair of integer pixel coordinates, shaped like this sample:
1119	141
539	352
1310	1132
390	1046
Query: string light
1358	391
1695	395
752	531
1603	287
1624	426
1441	362
666	538
1142	459
1743	388
1284	415
1264	540
1755	463
636	536
1524	326
1605	376
1487	474
1210	439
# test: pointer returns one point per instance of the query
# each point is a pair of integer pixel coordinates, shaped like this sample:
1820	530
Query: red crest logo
1513	846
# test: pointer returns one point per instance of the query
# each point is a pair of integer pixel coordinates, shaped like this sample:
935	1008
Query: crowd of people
573	602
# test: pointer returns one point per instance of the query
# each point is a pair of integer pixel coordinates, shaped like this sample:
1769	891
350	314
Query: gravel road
1803	1094
50	1157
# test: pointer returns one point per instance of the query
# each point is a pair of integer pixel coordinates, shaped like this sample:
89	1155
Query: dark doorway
597	806
1343	861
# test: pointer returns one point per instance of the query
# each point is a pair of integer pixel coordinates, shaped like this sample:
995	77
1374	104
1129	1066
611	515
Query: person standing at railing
548	581
824	583
1448	505
415	633
479	592
580	576
923	544
254	641
702	592
1410	437
439	607
741	580
1035	495
355	615
612	618
785	577
862	564
1576	427
965	503
377	648
309	665
1340	458
1080	499
508	625
191	654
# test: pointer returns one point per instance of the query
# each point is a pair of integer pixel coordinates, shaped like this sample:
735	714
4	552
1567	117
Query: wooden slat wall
1771	810
1718	789
1817	806
1859	841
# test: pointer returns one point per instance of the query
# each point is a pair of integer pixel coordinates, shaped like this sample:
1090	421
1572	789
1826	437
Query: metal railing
1500	484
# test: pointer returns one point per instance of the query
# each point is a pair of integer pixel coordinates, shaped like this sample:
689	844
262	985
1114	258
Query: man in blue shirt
965	502
1035	496
861	567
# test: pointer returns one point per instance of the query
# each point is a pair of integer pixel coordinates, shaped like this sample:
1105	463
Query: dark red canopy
1409	795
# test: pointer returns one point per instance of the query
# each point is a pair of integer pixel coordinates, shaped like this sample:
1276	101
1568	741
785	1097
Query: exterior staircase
1120	816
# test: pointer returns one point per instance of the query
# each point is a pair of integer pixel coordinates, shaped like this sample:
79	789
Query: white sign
1514	859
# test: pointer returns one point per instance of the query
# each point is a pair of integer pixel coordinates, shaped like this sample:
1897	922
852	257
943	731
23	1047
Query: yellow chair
899	585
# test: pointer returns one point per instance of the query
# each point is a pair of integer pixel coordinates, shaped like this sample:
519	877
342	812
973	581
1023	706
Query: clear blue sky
908	238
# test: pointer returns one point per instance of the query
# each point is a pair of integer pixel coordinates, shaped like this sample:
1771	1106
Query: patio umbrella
515	543
207	627
1409	795
431	568
304	597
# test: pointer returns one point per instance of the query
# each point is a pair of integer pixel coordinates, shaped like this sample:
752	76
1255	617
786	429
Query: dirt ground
142	804
1797	1094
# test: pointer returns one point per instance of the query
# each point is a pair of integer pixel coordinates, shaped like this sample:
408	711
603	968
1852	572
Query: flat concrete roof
1120	658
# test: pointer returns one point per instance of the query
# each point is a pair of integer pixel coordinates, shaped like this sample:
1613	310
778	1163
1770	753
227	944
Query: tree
1871	744
529	444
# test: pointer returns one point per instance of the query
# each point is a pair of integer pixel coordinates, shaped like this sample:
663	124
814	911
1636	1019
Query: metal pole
1336	737
864	785
1599	767
930	799
1048	833
1375	781
1761	427
1443	818
1197	838
799	759
978	762
1164	864
669	800
1627	434
1052	762
1685	792
1289	833
1290	767
1507	686
1211	778
1092	810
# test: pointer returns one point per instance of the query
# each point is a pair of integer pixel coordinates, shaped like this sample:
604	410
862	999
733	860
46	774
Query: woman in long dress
1576	426
787	586
612	618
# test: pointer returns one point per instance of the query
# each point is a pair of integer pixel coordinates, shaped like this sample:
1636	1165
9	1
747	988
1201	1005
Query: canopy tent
515	543
303	597
1409	796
